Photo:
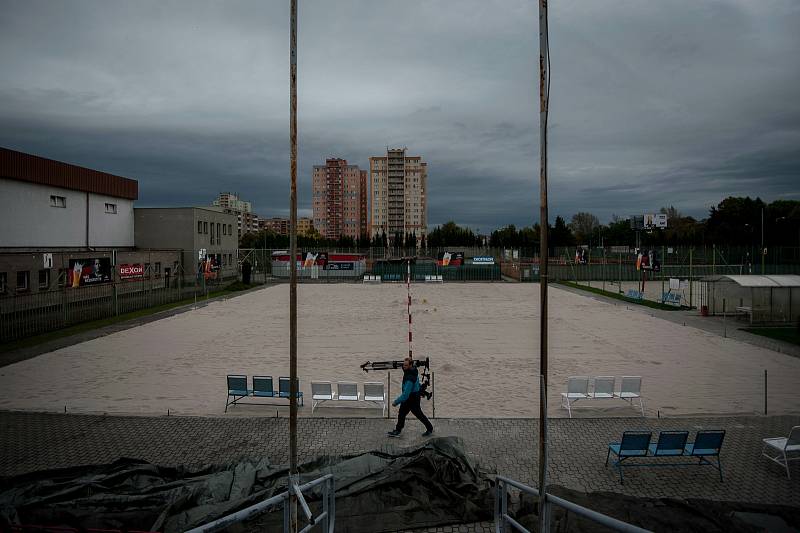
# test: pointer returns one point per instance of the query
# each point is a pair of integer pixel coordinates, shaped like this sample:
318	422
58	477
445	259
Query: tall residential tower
398	195
339	195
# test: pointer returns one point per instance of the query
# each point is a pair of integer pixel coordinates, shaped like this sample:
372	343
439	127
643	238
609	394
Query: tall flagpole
293	383
544	98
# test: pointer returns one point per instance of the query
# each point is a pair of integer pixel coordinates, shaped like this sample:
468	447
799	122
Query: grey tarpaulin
375	491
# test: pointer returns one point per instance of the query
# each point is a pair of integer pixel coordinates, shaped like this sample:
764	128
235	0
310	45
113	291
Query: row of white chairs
347	391
371	278
578	389
433	278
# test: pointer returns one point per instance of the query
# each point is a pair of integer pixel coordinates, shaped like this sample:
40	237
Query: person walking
409	400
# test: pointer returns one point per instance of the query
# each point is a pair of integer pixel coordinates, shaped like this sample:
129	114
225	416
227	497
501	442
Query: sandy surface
482	339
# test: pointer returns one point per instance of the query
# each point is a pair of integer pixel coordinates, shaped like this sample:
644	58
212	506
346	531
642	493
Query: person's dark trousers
412	404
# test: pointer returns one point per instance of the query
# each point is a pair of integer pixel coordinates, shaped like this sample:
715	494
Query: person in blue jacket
409	400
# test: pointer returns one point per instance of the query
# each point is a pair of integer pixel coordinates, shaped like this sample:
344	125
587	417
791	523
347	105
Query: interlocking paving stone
577	448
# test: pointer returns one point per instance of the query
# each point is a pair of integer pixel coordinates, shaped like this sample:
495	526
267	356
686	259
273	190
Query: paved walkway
32	441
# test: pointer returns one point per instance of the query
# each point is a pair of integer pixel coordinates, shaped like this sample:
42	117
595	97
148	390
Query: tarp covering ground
375	491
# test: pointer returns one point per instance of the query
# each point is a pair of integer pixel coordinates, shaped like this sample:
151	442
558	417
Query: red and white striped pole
408	288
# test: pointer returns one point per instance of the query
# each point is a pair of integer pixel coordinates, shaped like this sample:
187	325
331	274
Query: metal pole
433	390
544	97
293	263
691	282
765	392
762	242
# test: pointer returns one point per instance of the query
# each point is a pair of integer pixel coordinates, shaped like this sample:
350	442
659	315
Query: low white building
49	204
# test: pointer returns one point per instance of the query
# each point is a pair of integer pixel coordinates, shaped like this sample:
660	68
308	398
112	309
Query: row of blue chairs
707	444
262	388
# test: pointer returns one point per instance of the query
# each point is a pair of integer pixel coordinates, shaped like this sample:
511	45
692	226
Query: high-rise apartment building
398	195
246	220
280	226
339	199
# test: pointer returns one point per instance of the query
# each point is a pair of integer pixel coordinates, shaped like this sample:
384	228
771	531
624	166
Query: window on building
224	229
199	227
58	201
218	239
212	233
147	271
205	228
3	282
44	279
111	209
23	280
62	276
230	229
157	268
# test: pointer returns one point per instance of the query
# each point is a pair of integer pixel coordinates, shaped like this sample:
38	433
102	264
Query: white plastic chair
631	389
777	449
577	389
348	391
374	392
321	391
604	387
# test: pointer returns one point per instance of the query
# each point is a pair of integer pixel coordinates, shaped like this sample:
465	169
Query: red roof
26	167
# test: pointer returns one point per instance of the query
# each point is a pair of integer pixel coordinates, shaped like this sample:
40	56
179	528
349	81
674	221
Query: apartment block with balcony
338	199
246	220
398	194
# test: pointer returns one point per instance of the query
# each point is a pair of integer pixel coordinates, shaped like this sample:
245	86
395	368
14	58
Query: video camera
425	378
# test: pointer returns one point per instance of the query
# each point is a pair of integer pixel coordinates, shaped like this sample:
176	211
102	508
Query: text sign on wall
131	271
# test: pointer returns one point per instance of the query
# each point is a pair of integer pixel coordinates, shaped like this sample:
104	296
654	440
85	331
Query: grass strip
785	334
617	296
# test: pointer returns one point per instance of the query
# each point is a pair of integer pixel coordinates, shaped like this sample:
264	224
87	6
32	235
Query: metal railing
502	519
325	519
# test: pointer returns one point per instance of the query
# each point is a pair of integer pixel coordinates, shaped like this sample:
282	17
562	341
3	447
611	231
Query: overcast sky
652	103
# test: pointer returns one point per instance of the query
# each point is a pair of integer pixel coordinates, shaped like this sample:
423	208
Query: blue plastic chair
707	443
634	444
670	443
237	389
284	390
262	387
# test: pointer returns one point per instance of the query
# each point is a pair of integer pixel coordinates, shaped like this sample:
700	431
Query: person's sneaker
394	433
428	433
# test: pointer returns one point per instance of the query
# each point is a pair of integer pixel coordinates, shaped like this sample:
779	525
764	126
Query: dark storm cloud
653	103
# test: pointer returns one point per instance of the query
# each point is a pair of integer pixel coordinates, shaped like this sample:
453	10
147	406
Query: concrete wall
164	228
110	229
28	220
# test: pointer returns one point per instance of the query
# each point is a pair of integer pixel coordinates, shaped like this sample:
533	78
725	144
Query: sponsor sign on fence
134	271
89	271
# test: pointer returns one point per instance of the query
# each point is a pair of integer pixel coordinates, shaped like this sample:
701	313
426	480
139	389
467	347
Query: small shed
758	298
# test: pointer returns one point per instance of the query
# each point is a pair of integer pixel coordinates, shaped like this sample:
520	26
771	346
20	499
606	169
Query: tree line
734	221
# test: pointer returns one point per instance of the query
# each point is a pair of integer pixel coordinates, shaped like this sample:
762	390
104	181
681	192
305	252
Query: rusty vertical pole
544	97
293	383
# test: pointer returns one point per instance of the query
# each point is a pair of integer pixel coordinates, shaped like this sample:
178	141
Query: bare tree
582	225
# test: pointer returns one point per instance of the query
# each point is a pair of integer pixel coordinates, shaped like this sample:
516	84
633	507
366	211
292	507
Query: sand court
482	339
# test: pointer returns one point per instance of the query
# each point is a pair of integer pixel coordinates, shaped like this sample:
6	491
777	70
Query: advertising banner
339	266
648	260
450	258
89	271
128	271
483	260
